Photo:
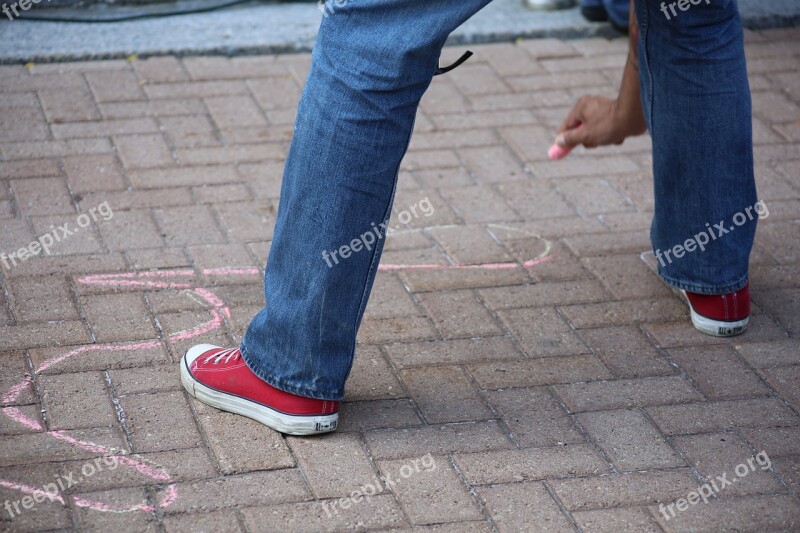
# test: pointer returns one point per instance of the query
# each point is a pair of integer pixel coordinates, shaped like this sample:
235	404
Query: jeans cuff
292	388
702	288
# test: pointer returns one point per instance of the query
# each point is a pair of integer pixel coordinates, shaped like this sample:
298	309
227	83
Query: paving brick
766	513
143	151
188	225
492	164
777	442
42	516
335	466
718	373
190	131
75	401
621	520
44	334
430	491
787	382
160	421
631	242
459	314
42	196
27	169
93	519
543	294
226	520
153	108
371	377
131	230
518	506
530	464
622	313
715	416
535	200
118	317
159	69
717	455
233	111
389	298
67	104
478	204
624	490
240	491
395	329
42	299
452	279
598	395
104	128
630	440
375	512
547	425
276	92
201	89
535	372
437	440
679	334
133	199
248	221
93	173
150	378
257	446
626	352
444	394
40	447
377	414
405	355
23	124
542	333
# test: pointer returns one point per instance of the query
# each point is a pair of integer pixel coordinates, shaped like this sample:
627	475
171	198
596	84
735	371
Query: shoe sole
716	328
282	422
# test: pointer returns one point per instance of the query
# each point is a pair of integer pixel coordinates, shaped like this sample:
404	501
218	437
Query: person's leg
372	62
696	99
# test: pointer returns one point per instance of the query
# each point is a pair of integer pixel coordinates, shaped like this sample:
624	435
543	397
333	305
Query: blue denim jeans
372	63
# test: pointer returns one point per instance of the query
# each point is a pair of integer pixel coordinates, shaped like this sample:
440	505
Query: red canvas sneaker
220	378
721	315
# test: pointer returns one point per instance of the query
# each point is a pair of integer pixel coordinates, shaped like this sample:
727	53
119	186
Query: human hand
598	121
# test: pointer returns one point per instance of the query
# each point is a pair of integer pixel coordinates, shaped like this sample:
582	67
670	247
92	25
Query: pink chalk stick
558	152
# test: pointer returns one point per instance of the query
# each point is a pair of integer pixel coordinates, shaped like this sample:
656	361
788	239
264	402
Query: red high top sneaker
721	315
221	379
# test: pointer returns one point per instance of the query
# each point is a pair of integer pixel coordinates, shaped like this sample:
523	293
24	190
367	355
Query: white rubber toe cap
196	351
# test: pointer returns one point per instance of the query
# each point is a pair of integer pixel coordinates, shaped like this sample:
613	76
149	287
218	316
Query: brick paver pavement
571	395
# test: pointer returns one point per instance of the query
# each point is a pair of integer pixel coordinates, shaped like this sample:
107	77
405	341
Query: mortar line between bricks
88	87
403	387
763	381
775	473
118	409
4	287
582	430
487	517
488	229
561	506
160	333
499	419
503	327
556	309
161	234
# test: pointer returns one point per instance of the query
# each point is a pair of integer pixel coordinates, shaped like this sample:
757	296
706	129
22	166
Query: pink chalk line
161	280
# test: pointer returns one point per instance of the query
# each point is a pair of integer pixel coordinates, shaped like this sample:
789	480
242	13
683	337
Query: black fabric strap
448	68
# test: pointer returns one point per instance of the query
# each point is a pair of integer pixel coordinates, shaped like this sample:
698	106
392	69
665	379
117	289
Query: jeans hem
702	288
291	388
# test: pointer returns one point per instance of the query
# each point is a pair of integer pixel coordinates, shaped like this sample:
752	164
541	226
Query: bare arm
607	121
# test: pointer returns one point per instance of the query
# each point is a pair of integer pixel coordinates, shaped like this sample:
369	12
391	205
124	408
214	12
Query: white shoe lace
227	354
